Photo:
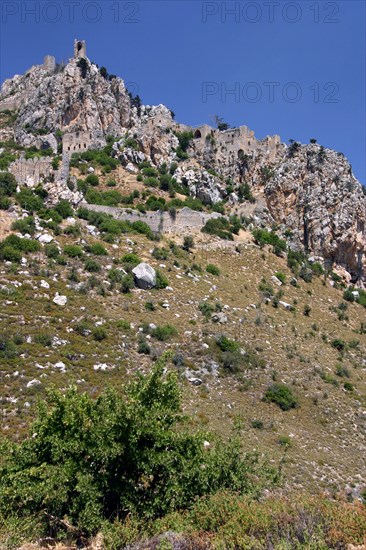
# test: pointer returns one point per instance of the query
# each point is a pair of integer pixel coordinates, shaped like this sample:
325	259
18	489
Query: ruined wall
30	172
78	142
234	143
159	222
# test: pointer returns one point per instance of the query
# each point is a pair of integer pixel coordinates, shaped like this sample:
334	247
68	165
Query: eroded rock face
315	195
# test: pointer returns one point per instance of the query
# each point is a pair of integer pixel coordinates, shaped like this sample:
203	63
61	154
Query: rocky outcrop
314	195
74	98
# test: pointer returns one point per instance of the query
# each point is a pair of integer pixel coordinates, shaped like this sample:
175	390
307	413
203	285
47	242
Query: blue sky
296	69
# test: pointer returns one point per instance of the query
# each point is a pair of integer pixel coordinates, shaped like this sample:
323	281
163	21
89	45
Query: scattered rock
145	276
60	300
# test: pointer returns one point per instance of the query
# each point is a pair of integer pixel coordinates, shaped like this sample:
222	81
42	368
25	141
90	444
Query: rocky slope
309	192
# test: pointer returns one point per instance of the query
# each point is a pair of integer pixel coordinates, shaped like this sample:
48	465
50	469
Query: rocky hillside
307	191
125	235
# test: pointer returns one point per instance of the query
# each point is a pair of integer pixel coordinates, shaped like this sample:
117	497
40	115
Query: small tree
220	123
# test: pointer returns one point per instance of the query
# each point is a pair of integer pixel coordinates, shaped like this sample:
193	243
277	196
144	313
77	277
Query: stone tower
79	49
49	63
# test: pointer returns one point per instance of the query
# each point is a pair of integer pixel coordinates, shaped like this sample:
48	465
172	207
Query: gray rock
145	276
219	318
60	300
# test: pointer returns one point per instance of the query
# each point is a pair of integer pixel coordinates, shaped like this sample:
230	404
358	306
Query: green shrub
99	334
73	229
184	139
64	209
142	227
115	275
281	277
150	172
73	250
127	284
10	254
245	193
306	274
257	424
104	198
29	200
132	259
160	253
263	237
206	309
342	371
123	324
92	179
25	225
7	351
338	344
161	280
151	182
164	332
188	243
43	339
220	227
285	441
213	269
225	344
12	247
143	348
266	288
51	250
317	269
348	386
5	202
8	184
92	266
6	159
281	395
97	249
